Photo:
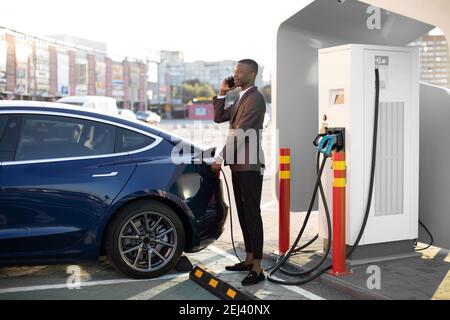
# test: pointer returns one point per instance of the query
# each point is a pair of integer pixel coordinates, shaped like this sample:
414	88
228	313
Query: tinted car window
3	120
9	133
52	137
128	140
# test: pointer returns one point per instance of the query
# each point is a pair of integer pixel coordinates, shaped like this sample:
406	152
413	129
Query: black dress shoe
253	278
240	267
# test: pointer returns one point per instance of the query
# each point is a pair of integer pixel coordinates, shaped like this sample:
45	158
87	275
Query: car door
62	178
10	227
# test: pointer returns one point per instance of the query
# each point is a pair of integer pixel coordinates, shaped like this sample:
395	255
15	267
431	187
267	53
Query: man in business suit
243	153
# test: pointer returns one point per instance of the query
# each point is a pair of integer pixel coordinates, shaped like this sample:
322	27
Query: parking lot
101	281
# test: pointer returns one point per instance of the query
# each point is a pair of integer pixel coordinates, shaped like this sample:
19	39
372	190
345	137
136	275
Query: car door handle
112	174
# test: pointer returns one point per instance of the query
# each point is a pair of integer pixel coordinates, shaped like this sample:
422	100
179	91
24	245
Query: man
246	161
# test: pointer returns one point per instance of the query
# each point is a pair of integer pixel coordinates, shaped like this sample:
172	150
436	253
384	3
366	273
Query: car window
128	140
9	133
53	137
3	120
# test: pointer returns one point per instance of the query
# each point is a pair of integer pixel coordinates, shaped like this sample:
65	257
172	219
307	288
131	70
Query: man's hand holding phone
227	84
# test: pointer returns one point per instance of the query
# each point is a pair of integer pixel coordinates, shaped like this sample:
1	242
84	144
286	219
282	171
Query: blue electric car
76	185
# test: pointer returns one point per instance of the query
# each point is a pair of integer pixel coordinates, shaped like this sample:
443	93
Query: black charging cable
231	217
283	259
371	184
329	232
429	234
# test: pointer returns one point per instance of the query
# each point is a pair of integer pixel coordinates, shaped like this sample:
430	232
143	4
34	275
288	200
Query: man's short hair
252	63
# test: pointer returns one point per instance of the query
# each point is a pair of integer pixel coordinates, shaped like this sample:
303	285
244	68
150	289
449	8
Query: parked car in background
127	113
267	120
268	115
149	117
97	103
77	184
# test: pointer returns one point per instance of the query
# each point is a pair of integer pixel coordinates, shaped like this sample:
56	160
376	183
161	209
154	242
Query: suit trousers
247	187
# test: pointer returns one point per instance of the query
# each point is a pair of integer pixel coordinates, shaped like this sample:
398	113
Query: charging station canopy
327	23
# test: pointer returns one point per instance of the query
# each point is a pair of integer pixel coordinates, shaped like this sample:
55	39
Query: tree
194	89
188	92
206	91
193	82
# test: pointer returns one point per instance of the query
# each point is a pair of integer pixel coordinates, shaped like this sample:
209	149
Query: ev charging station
346	100
326	57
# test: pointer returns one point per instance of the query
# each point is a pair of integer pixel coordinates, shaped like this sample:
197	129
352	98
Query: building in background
201	109
3	60
214	72
434	60
93	45
81	74
210	72
117	81
48	68
100	74
152	93
63	72
171	75
173	71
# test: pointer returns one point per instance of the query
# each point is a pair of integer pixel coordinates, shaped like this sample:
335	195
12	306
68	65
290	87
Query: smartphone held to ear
230	82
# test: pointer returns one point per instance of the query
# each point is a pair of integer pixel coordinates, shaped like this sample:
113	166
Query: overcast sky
204	29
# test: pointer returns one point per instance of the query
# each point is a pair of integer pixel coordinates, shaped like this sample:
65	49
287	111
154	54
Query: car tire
148	254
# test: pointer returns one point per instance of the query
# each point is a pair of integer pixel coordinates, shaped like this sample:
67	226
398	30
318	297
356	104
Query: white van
97	103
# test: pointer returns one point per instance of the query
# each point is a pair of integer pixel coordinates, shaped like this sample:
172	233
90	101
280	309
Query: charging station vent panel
389	174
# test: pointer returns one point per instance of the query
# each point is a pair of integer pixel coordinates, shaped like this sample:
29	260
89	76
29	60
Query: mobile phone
230	81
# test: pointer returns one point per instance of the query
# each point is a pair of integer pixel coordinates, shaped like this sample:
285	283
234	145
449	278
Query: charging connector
339	133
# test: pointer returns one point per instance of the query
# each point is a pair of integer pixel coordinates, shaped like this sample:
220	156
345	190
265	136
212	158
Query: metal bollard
284	201
339	184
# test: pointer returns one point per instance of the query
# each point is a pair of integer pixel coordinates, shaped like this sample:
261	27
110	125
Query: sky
209	30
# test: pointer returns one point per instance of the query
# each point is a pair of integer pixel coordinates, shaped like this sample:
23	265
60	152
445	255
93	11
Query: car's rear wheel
145	240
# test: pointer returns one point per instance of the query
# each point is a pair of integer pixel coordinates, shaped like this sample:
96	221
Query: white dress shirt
240	94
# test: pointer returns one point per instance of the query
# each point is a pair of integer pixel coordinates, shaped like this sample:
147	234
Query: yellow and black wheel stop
209	281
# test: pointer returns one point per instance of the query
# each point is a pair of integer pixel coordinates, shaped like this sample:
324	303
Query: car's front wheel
145	240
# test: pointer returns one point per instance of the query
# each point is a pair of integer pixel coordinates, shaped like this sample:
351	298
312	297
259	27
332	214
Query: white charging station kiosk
347	99
320	24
